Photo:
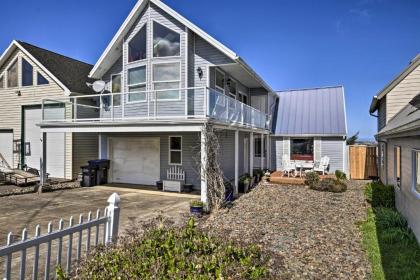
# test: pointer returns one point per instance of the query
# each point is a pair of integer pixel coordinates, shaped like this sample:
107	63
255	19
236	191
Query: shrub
340	175
338	187
389	218
163	252
312	180
380	195
196	203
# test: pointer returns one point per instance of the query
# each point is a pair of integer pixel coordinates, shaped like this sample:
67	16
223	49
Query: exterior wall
401	94
239	86
11	111
382	113
227	153
407	200
85	147
334	149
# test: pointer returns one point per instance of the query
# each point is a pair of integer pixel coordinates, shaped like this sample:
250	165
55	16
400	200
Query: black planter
188	188
159	185
196	210
229	195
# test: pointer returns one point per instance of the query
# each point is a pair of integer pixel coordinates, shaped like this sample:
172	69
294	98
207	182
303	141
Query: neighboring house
27	75
168	78
397	106
310	124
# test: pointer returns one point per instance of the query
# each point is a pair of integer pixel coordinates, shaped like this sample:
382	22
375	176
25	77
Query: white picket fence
93	226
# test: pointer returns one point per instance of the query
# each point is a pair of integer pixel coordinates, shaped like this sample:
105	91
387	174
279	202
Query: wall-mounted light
18	93
200	72
228	81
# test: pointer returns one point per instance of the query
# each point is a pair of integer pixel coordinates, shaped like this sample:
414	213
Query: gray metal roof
317	111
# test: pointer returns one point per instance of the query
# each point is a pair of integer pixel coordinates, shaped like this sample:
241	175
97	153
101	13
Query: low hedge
380	195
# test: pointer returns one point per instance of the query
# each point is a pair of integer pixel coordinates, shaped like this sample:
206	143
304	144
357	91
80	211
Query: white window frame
21	76
152	97
128	47
414	172
395	166
236	88
16	59
241	94
174	150
152	43
121	95
128	86
216	87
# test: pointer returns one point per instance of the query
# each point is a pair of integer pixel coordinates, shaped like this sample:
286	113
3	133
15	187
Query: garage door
55	142
6	145
135	160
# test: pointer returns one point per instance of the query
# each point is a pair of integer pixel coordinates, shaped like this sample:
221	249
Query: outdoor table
304	165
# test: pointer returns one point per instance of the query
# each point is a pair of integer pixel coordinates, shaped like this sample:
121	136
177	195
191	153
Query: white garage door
135	160
6	146
55	142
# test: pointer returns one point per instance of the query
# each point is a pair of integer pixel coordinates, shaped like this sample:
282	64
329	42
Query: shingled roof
311	112
71	72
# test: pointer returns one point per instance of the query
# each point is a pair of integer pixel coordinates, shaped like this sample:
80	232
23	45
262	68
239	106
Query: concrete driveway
22	211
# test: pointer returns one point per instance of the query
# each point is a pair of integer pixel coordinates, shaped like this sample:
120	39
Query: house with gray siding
311	124
165	79
397	108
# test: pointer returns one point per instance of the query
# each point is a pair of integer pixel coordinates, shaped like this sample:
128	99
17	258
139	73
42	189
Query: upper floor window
166	42
27	73
116	88
232	88
167	80
41	80
12	75
1	81
397	165
137	46
243	97
220	81
137	84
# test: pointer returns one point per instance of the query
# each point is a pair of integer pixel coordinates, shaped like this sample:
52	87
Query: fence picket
8	264
36	256
70	247
23	255
88	234
60	243
98	213
105	226
48	256
79	243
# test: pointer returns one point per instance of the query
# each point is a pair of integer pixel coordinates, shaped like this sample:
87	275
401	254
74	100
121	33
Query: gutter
373	106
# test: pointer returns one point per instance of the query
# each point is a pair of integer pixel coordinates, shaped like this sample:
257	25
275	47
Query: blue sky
361	44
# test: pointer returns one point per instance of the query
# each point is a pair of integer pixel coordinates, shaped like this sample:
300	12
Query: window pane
175	143
302	149
220	80
166	72
137	46
137	75
1	82
116	83
167	94
12	76
137	93
41	80
418	171
166	42
176	157
27	73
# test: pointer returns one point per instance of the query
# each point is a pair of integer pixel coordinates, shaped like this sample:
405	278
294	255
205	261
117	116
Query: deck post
235	191
251	154
262	151
203	155
43	159
268	157
113	214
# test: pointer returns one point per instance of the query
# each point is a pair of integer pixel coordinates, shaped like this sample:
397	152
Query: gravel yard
309	234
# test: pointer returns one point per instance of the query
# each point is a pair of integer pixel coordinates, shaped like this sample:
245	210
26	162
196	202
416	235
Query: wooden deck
278	178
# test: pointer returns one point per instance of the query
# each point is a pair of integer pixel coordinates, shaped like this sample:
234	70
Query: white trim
152	45
133	85
395	166
414	172
169	81
222	90
165	128
128	47
174	150
344	105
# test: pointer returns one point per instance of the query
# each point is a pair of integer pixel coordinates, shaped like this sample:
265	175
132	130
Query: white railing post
113	218
112	106
123	97
8	263
75	109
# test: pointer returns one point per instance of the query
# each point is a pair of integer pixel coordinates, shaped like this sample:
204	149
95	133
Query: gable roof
414	63
311	112
70	74
112	50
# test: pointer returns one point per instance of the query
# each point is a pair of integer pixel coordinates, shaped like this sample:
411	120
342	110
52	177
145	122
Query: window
137	84
12	75
257	147
116	88
27	73
175	150
41	80
302	149
232	88
137	46
416	171
397	165
243	97
166	42
166	78
220	81
1	81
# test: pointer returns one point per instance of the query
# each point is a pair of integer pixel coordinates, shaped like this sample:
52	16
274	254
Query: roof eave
373	105
253	73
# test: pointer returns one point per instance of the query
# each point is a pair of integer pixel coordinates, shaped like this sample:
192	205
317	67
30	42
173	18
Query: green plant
338	187
380	195
340	175
389	218
197	203
165	252
312	180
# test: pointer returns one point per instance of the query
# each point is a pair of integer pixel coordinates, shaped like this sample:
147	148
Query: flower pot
229	195
197	210
159	185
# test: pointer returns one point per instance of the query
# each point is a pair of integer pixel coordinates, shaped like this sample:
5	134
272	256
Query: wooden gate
363	162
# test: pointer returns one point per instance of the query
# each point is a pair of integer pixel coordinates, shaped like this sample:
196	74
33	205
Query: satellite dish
99	86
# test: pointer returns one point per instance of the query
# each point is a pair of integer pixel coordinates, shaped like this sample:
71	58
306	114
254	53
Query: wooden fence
101	229
363	163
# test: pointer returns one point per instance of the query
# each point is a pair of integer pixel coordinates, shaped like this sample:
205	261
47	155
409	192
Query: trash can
101	167
88	176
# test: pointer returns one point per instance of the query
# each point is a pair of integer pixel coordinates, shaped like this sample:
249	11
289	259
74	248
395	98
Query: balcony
160	105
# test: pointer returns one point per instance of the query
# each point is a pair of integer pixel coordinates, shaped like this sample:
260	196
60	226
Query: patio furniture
288	165
304	166
322	166
175	179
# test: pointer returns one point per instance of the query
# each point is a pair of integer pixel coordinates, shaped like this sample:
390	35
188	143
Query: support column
43	159
251	154
203	155
235	192
268	147
262	151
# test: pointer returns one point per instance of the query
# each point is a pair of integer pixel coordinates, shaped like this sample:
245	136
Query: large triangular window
166	42
137	46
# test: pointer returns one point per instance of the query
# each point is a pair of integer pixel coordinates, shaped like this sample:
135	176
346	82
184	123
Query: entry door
55	142
246	155
6	146
135	160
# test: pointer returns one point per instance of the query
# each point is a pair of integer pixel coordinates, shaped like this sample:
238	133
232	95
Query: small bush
380	195
340	175
196	203
312	180
389	218
338	187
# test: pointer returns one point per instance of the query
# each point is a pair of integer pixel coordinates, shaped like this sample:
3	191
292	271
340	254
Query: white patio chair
322	166
288	165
